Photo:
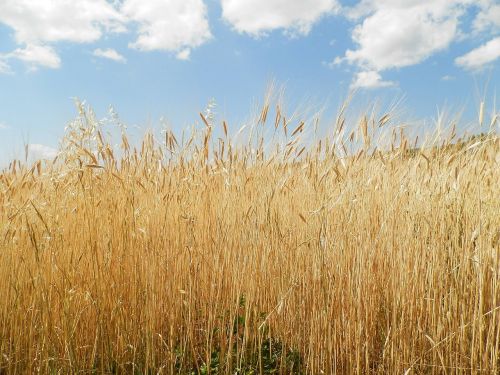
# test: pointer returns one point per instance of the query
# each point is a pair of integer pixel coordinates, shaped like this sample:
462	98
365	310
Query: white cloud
398	33
36	55
38	23
168	25
480	56
46	21
3	126
387	34
110	54
392	34
38	151
256	17
488	18
370	80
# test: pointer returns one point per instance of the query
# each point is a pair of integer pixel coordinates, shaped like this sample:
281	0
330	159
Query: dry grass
200	254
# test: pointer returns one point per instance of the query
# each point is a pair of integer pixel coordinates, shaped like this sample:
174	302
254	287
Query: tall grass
362	252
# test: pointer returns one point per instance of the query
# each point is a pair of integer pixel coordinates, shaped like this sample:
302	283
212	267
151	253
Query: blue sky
167	58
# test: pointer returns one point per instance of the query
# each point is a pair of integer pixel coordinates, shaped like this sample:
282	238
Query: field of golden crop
199	254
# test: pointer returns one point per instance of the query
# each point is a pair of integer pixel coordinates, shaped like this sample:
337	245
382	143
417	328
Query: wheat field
362	252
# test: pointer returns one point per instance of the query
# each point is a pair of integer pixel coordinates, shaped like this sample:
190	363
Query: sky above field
166	59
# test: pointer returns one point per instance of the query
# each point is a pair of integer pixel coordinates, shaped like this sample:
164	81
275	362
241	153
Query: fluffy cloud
38	23
486	22
36	55
387	34
398	33
44	21
110	54
488	17
169	25
370	80
256	17
393	34
480	56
